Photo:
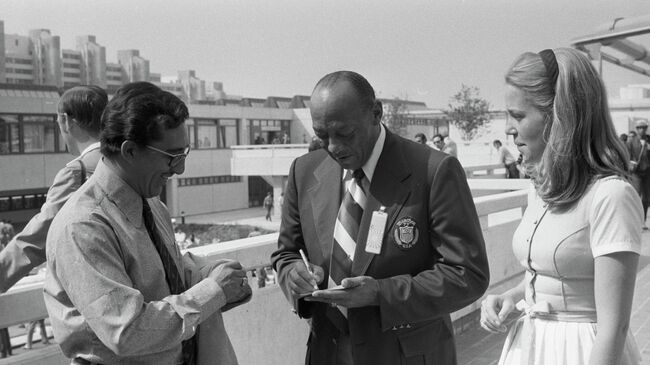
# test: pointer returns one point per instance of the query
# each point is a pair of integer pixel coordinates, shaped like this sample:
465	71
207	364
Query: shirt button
535	222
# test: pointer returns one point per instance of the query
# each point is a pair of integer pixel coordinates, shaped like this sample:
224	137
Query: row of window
11	80
29	93
20	71
29	134
21	202
213	133
208	180
73	56
71	65
19	61
72	74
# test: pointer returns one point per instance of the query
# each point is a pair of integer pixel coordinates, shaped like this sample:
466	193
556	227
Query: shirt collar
370	165
127	200
90	148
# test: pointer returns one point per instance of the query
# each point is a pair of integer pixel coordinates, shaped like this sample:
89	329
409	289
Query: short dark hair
437	135
85	103
496	141
421	135
139	112
363	88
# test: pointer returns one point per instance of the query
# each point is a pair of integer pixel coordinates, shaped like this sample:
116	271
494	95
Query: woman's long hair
581	142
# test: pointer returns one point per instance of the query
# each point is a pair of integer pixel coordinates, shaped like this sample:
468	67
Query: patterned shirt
106	292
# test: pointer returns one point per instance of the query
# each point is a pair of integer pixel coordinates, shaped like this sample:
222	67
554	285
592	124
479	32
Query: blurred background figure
437	142
640	164
450	147
30	333
623	137
506	158
6	233
421	138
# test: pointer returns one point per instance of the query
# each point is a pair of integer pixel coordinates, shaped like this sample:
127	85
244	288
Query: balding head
346	117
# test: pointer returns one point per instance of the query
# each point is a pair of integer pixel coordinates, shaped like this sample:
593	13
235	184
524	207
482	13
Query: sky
417	50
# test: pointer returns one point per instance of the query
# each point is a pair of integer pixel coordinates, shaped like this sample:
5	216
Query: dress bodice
558	248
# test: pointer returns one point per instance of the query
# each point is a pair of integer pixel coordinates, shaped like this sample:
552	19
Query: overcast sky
422	50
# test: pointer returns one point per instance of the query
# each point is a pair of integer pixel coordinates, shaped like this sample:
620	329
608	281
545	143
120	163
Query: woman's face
529	123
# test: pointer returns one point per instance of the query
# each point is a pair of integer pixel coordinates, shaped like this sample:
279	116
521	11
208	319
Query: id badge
376	231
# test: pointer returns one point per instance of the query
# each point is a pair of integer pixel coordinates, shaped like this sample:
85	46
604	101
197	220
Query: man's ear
129	151
377	112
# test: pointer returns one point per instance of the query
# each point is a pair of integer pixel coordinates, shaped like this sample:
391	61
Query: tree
395	116
469	112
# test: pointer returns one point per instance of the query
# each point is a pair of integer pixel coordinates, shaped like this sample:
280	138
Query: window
39	133
9	135
208	180
206	133
228	133
191	133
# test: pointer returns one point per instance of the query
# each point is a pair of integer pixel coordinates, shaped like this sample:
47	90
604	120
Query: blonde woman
580	237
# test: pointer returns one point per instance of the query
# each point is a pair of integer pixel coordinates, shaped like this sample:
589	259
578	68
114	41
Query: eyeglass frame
179	157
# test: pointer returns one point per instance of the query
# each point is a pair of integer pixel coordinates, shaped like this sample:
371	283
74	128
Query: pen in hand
304	259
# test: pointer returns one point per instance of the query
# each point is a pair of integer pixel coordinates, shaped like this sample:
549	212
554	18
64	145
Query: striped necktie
173	277
346	231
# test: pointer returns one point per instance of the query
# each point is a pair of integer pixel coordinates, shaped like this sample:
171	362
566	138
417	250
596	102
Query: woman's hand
494	310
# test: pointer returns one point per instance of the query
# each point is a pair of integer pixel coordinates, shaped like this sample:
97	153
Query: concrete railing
490	171
265	330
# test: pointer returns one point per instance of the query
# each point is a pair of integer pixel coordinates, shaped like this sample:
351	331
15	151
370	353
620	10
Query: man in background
79	116
421	138
506	158
640	162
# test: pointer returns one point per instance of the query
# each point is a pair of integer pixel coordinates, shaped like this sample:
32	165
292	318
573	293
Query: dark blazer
436	268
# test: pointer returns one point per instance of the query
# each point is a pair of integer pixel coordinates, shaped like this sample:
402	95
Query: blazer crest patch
406	233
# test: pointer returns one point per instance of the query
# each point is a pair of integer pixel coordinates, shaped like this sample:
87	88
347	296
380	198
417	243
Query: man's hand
360	291
301	281
232	279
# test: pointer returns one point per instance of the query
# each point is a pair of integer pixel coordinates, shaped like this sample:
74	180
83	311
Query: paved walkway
479	347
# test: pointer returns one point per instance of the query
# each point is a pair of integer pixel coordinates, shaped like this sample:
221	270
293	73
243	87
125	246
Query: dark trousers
511	171
642	184
5	343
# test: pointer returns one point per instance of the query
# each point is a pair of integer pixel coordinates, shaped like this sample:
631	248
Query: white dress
558	326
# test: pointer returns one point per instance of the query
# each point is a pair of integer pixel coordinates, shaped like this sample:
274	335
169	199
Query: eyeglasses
174	159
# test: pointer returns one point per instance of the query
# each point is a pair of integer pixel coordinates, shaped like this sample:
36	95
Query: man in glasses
79	115
118	289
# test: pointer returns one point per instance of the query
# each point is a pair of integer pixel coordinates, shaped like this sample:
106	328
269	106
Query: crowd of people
379	239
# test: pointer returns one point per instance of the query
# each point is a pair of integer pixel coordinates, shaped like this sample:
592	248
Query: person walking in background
268	205
580	236
424	258
79	117
31	326
640	164
506	158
